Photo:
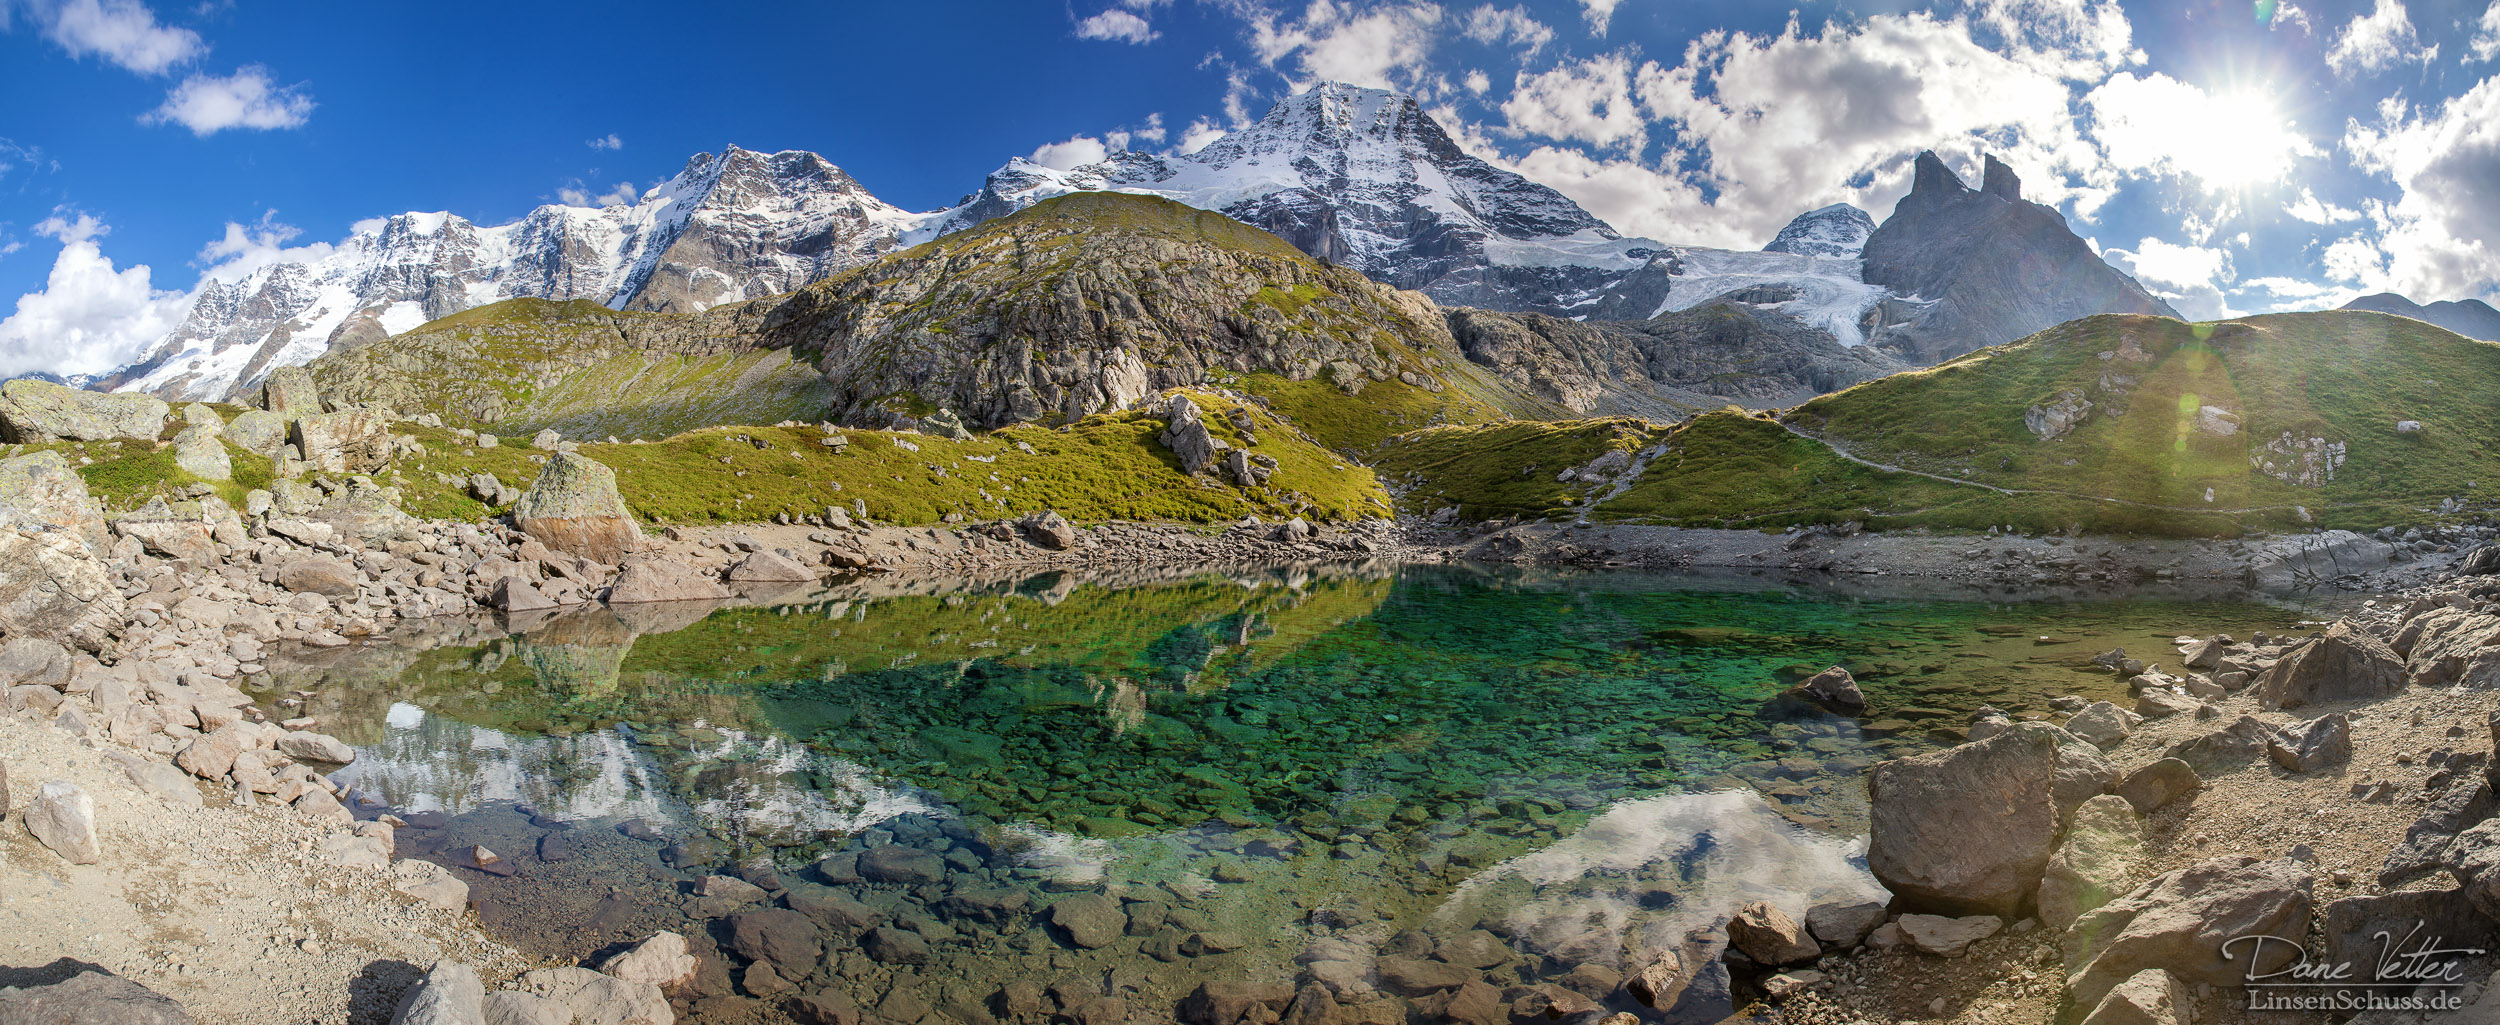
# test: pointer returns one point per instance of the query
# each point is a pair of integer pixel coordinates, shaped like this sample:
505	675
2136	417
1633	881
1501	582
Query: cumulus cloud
2486	42
606	142
90	317
2192	278
1632	195
1598	13
1384	47
1589	101
1491	25
248	247
2288	15
2375	40
1070	153
1116	25
207	104
2434	243
123	32
1771	125
1199	135
2158	124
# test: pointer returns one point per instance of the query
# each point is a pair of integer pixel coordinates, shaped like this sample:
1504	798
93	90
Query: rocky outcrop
1968	829
1835	689
1992	266
1185	434
2193	922
574	507
2343	665
53	578
1711	354
347	441
38	412
2309	561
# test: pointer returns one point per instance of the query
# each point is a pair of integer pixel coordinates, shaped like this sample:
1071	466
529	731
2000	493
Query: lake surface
1274	775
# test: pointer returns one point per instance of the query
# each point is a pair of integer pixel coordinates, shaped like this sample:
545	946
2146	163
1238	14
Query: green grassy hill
2272	422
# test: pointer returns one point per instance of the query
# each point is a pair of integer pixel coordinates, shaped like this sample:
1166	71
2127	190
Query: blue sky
2237	156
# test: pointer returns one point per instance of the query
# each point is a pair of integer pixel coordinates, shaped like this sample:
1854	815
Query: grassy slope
2342	376
1503	469
1108	466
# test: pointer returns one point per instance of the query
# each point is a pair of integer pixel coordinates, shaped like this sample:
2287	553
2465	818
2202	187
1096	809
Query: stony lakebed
1383	788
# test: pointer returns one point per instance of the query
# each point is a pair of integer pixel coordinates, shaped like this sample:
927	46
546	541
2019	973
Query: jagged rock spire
1929	174
1998	180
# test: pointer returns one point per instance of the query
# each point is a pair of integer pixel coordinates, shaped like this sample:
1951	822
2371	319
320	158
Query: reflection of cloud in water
427	762
1708	852
761	795
1057	855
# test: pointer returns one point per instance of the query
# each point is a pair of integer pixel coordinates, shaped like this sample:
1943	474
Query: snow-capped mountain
731	226
1363	177
1838	231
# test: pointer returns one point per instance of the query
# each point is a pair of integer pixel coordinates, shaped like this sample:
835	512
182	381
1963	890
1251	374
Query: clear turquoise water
1584	767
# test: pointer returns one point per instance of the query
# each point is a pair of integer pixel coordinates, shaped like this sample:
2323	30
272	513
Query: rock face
62	816
2344	665
1968	829
1185	434
2302	562
1995	266
39	412
574	507
52	573
1728	350
2180	920
90	998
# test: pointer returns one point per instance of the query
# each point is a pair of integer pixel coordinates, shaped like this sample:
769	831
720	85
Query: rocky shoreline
134	643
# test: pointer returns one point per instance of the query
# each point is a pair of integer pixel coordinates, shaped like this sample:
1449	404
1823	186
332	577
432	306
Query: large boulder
450	994
2149	997
2182	920
1047	529
62	816
90	998
199	452
2346	664
660	961
2317	744
1767	935
574	507
600	999
2361	931
1185	433
1835	689
289	392
1966	830
260	432
173	530
53	581
39	412
348	441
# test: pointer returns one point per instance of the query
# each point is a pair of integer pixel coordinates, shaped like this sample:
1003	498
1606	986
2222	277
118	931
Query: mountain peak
1837	231
1929	176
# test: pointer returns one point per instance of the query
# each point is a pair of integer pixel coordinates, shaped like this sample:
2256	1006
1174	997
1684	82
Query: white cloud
1198	136
2436	237
249	247
89	318
1151	131
1598	13
2315	211
2192	278
1632	196
2287	15
1382	48
1780	124
577	194
606	142
207	104
2161	125
1071	153
1116	25
1491	25
2375	40
2295	289
1590	101
2356	260
2486	42
124	32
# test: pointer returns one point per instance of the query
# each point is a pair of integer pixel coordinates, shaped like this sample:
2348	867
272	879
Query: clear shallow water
1567	769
